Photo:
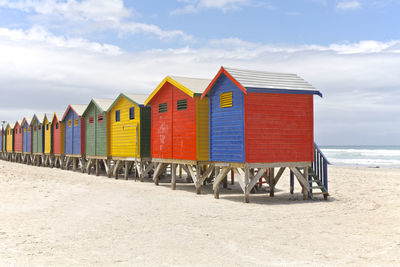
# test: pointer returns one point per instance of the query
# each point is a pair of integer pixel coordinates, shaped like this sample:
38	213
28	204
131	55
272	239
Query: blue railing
320	166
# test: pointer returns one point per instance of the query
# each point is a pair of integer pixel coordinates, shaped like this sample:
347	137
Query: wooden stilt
246	183
198	181
218	180
126	169
97	168
74	164
173	176
271	182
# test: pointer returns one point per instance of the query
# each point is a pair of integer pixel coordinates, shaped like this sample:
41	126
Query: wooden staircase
318	174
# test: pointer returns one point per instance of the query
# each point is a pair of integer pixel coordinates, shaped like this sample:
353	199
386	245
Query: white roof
79	108
103	103
40	117
58	114
140	99
195	85
269	80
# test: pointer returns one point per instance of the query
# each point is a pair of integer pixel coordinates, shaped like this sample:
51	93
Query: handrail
320	166
322	153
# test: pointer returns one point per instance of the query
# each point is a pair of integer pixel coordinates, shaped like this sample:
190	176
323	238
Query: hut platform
76	160
140	166
198	171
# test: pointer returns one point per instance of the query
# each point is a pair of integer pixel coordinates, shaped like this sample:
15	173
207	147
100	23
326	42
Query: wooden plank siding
58	136
37	136
278	127
74	134
26	138
96	131
145	132
9	139
161	124
17	138
124	134
48	136
226	124
202	128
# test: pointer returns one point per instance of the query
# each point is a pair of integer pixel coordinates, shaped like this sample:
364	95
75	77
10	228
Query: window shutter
162	108
117	115
226	100
181	104
100	118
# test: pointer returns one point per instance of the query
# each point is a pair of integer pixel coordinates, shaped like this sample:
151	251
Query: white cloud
93	14
348	5
360	82
194	6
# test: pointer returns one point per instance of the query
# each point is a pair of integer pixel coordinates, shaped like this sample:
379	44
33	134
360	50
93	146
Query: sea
369	156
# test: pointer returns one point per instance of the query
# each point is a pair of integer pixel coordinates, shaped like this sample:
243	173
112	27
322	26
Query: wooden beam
160	168
116	168
279	174
192	174
302	180
240	178
126	167
146	171
224	171
97	165
254	180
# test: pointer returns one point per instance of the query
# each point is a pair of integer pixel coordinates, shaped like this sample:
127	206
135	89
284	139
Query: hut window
34	128
29	129
100	118
132	113
40	127
117	117
69	123
76	122
56	125
91	119
47	127
24	130
182	104
162	108
20	130
226	100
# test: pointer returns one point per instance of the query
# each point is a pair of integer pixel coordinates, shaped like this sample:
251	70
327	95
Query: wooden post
198	180
173	176
180	171
74	164
246	183
97	168
126	169
305	193
291	182
232	177
272	182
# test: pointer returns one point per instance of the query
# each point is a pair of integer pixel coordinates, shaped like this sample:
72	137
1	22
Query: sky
55	53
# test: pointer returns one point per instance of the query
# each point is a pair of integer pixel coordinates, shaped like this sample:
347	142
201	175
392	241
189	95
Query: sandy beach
54	217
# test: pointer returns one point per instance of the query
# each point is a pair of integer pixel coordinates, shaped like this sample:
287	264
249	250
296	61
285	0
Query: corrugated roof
49	116
59	115
79	108
195	85
137	98
103	103
40	117
269	80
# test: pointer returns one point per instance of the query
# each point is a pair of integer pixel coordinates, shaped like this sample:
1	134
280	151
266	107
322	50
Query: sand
55	217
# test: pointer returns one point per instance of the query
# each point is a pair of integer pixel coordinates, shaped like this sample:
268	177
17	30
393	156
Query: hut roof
135	98
269	82
190	86
49	116
39	117
27	120
103	103
58	114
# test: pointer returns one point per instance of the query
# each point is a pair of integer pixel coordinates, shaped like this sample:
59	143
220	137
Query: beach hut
10	141
96	133
74	136
129	141
58	139
26	140
179	126
37	139
18	141
260	121
48	139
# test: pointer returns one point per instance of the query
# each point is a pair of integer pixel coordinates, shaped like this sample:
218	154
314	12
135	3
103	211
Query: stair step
320	193
318	187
